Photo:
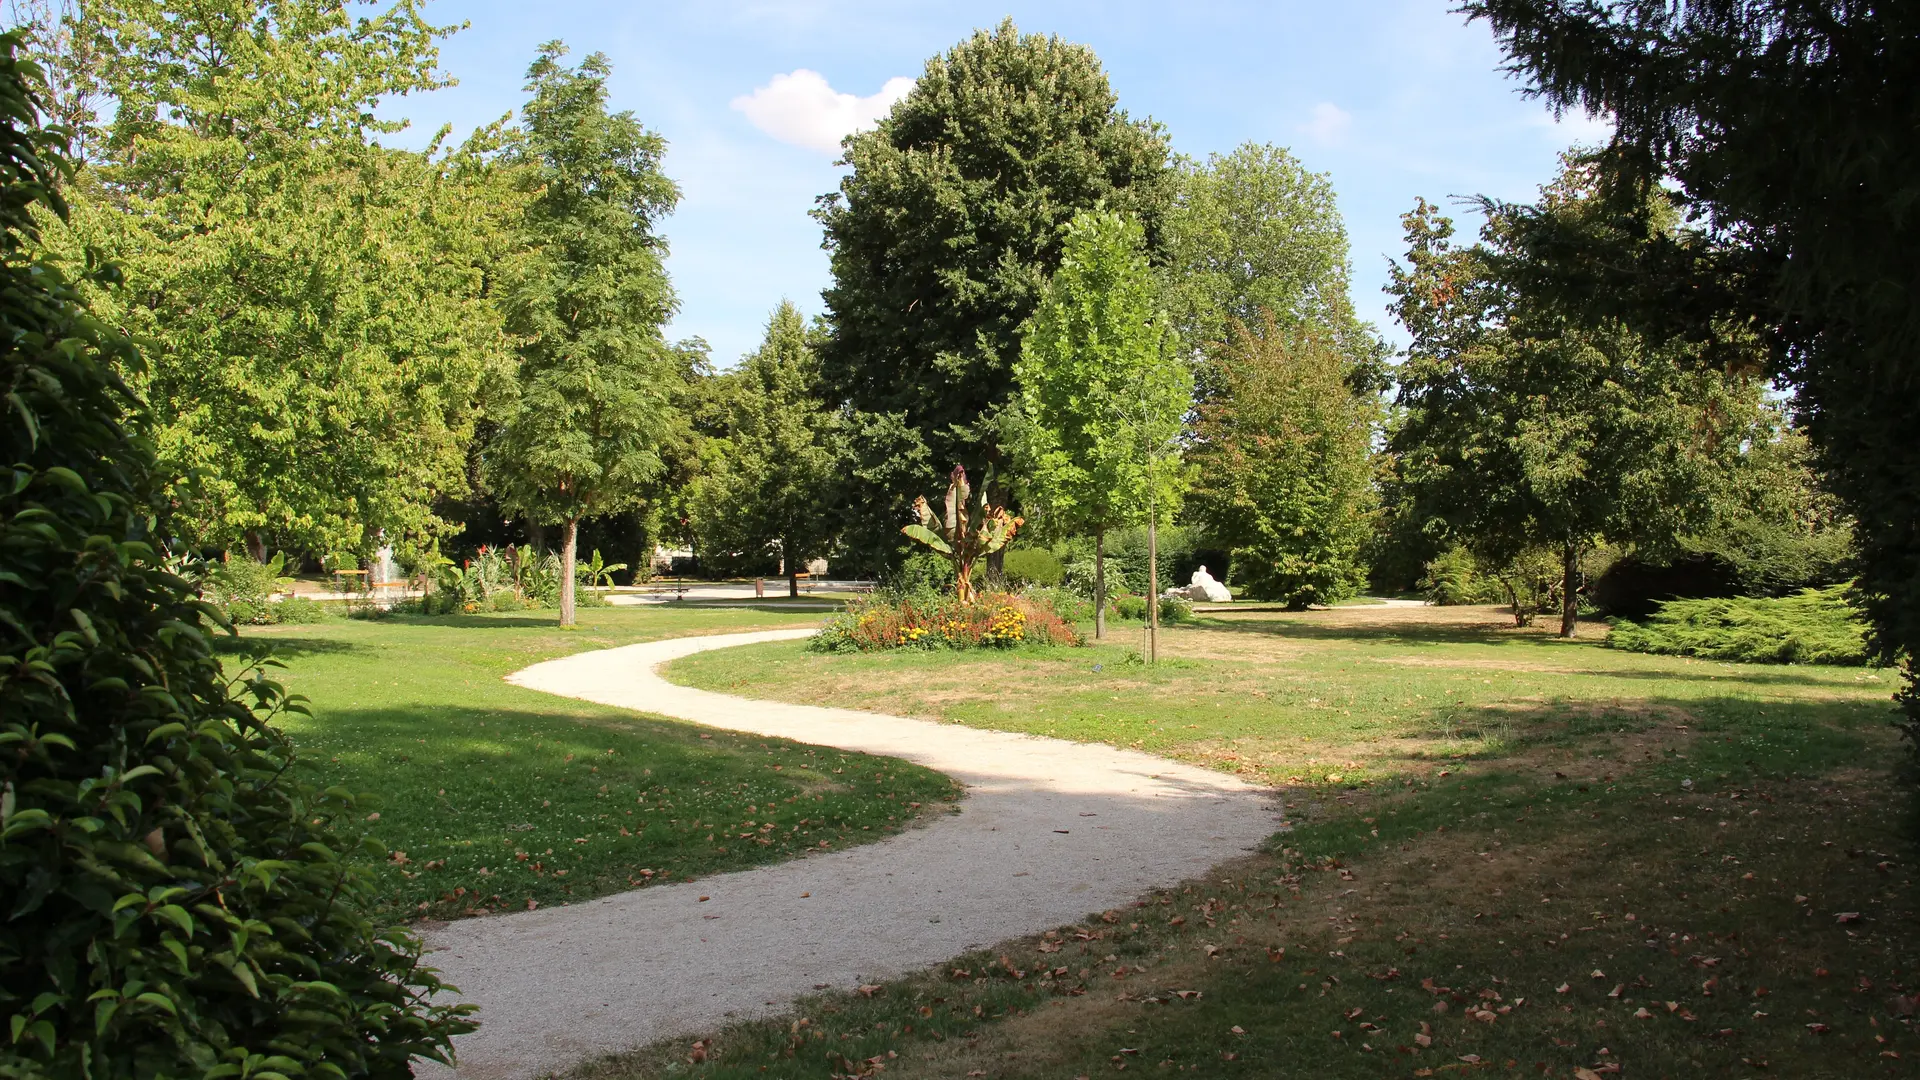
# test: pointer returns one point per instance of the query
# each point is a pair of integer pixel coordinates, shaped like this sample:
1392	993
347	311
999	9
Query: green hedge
1816	626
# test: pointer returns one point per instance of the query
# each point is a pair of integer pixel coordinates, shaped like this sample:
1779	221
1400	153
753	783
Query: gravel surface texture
1049	831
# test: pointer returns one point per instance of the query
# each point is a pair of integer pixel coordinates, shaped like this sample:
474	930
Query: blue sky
1392	98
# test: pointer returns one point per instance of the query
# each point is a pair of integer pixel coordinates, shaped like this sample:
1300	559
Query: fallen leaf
1642	1014
1423	1040
1581	1072
1237	1030
1847	917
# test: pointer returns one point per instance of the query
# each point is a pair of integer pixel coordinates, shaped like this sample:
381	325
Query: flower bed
987	621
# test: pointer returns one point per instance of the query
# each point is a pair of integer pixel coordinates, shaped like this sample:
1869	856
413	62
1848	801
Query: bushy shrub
1175	610
243	588
300	610
1453	577
178	902
1817	626
1130	606
1069	605
506	601
988	621
1033	567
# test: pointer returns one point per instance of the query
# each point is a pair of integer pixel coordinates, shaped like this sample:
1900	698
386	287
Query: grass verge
494	797
1650	868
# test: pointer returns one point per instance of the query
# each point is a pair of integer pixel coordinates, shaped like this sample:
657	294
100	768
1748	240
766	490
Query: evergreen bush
177	902
1818	626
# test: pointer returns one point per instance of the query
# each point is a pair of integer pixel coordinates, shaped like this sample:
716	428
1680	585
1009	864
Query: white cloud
802	109
1329	122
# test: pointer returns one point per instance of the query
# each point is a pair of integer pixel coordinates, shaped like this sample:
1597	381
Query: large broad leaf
928	537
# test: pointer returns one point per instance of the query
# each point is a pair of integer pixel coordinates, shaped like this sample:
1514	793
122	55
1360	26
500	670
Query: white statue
1204	587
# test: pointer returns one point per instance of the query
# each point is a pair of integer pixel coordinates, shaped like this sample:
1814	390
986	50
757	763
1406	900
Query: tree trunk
256	547
1099	583
1153	593
793	570
1569	591
995	495
569	541
536	536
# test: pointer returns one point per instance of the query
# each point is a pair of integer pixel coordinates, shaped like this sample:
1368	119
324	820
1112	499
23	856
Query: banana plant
597	571
968	529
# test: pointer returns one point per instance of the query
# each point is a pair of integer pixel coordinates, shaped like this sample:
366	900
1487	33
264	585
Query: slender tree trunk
793	570
256	547
1099	583
536	536
569	542
1153	593
1569	591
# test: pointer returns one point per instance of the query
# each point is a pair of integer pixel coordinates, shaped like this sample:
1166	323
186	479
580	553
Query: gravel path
1050	831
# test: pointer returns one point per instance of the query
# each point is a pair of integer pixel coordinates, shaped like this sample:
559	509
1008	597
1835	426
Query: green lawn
1542	858
493	796
1336	696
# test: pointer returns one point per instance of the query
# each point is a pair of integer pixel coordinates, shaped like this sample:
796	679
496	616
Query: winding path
1050	831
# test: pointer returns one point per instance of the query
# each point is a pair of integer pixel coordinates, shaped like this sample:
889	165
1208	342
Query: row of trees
366	344
347	338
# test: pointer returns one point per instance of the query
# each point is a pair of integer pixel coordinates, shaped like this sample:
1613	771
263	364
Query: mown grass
496	797
1653	868
1325	697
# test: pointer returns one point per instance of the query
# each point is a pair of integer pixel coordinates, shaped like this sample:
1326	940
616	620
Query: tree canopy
1282	457
775	482
1787	127
1529	425
942	234
319	303
1253	233
584	305
1104	385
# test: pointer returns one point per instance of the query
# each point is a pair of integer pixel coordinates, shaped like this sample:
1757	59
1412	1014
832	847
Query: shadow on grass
478	622
285	648
1408	634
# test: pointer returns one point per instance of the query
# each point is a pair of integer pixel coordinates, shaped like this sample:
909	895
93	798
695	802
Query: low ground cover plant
983	621
1816	626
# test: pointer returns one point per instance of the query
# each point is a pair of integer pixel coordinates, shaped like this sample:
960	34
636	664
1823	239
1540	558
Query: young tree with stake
1103	387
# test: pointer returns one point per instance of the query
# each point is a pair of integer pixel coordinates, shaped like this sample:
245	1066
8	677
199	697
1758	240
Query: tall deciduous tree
585	307
1104	385
318	302
1528	425
941	237
1253	234
1788	124
776	484
1282	456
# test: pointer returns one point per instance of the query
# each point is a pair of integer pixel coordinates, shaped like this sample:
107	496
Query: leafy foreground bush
176	904
1817	626
987	621
1173	609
